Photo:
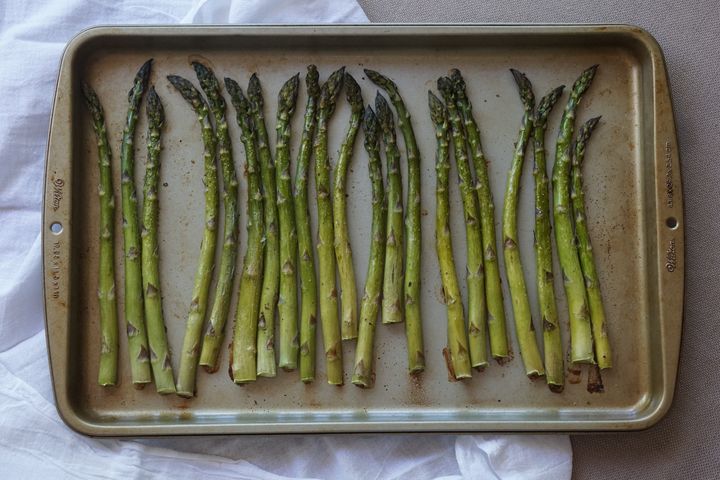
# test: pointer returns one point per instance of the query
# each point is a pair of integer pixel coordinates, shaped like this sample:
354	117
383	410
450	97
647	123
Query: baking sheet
633	190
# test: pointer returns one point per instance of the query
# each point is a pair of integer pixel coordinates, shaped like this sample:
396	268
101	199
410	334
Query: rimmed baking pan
634	213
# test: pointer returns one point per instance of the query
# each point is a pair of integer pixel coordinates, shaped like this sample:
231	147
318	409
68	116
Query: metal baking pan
633	192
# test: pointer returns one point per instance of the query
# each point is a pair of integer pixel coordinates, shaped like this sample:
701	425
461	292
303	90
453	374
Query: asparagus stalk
108	365
475	271
215	333
581	343
134	313
242	363
308	285
413	242
343	252
459	360
271	264
243	349
554	368
370	304
203	275
157	338
524	327
326	253
392	300
493	287
287	303
603	352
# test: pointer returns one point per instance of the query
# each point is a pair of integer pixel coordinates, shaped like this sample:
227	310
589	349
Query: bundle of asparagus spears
278	270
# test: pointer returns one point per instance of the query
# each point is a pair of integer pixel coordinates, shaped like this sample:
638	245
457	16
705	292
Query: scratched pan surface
634	202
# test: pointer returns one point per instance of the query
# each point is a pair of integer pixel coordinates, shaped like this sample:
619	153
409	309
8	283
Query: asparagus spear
326	253
603	352
308	286
271	264
157	338
524	327
581	343
413	243
107	371
215	333
370	304
242	363
392	304
203	275
471	211
343	252
134	314
554	368
287	303
458	361
493	288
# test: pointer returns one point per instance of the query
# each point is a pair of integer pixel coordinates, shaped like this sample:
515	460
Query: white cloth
34	442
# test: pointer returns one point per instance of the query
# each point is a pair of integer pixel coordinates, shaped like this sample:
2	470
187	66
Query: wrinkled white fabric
34	442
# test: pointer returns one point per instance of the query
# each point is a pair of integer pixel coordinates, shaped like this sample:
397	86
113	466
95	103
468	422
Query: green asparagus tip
330	91
186	88
384	114
445	86
240	102
155	111
254	91
141	79
287	97
311	81
210	85
92	101
354	95
525	87
584	80
584	135
458	83
381	80
370	127
546	104
437	109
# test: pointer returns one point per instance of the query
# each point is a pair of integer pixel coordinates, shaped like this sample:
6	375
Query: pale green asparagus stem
458	359
206	262
581	343
603	352
363	373
271	265
413	242
471	211
108	365
287	301
215	332
326	252
308	283
554	368
134	311
392	300
243	348
343	251
524	328
493	287
157	338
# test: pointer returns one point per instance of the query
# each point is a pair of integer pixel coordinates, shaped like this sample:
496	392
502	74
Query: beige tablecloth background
686	444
